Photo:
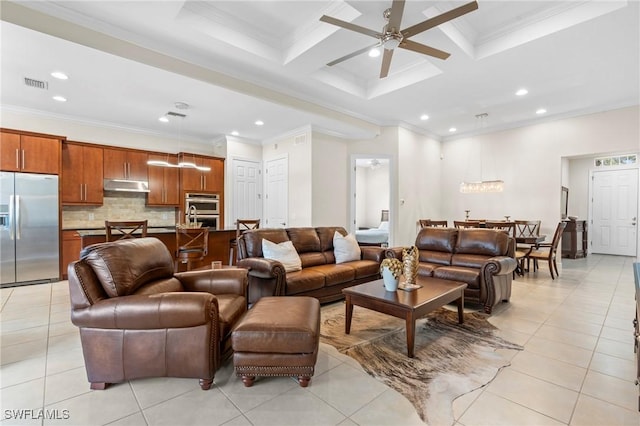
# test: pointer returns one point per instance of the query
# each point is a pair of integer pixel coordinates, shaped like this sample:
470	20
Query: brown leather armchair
139	319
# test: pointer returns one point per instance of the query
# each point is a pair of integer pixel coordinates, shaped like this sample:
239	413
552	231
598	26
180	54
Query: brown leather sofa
139	319
482	258
320	276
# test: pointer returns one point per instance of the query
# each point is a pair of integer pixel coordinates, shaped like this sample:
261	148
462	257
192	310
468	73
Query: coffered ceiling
235	62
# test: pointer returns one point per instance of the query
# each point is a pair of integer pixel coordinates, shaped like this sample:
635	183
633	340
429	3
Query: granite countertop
85	232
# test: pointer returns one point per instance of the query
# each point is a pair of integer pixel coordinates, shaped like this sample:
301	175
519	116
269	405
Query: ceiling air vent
38	84
300	139
176	114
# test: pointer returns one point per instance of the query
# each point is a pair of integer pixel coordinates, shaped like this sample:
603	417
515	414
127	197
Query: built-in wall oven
204	208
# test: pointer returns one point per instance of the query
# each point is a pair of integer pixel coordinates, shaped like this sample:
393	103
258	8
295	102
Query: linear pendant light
483	186
182	163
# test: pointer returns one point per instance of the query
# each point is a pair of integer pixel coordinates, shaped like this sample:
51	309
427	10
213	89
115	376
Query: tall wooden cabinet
29	153
164	182
125	164
574	239
82	174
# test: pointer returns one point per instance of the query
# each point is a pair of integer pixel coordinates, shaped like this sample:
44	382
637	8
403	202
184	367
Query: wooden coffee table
409	305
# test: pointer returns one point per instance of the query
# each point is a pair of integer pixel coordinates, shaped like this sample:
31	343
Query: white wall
529	160
330	189
578	184
300	175
419	184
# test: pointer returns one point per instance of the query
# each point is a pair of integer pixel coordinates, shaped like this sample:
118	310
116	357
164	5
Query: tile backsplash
117	206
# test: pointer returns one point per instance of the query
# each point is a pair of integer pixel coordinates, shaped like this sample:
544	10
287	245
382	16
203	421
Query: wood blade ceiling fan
391	37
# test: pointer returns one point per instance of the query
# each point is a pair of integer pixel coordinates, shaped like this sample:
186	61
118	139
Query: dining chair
466	224
547	251
423	223
508	227
242	225
527	228
122	230
192	245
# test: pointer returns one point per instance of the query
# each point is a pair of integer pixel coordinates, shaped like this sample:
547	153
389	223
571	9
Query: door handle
18	224
11	217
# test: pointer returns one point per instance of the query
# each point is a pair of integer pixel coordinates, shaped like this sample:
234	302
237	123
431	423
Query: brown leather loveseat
139	319
320	276
482	258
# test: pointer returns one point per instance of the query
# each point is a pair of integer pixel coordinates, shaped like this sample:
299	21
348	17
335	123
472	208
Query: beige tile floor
577	367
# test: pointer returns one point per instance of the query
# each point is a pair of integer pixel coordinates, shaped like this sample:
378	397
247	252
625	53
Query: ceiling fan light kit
391	37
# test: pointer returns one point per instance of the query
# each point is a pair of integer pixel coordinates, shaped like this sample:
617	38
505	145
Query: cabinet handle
81	192
128	170
85	192
17	159
23	159
205	181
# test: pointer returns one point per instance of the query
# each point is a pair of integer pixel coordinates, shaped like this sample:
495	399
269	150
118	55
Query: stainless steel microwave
205	204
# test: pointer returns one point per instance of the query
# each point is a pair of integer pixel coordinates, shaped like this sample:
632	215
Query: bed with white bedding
374	236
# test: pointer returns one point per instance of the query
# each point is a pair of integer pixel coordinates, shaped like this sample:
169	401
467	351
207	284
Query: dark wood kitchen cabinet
82	181
164	182
125	164
205	181
29	153
71	246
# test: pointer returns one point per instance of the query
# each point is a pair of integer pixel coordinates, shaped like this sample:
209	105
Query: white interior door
615	212
276	196
247	190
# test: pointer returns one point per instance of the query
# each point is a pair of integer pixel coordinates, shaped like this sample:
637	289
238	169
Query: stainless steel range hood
123	185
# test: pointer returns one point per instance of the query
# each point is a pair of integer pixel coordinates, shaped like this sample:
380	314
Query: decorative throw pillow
384	226
345	248
284	252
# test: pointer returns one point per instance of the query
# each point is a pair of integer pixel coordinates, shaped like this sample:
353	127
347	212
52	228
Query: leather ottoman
278	336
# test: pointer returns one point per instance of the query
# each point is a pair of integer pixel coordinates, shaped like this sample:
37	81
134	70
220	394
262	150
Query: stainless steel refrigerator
29	245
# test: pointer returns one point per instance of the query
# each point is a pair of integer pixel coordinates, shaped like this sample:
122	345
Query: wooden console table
574	239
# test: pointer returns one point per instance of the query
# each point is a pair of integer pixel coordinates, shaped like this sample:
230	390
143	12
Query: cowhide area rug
450	359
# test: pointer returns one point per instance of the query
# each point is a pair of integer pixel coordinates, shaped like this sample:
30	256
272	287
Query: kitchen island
218	250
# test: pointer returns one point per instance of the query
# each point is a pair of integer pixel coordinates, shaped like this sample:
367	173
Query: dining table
532	240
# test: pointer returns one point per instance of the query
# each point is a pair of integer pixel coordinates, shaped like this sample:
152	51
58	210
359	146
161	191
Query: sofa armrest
499	265
394	253
148	312
372	253
215	281
268	270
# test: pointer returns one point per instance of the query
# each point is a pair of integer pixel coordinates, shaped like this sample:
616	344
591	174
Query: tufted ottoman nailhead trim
279	336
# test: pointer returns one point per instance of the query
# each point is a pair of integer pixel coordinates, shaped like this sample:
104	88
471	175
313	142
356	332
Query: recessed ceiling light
59	75
541	111
453	129
259	123
424	117
59	98
374	53
235	133
522	92
164	119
